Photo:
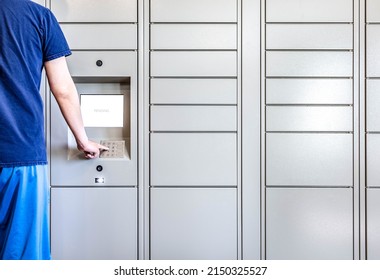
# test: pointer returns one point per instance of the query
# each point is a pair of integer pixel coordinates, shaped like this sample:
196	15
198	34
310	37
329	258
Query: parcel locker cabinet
194	129
308	129
372	129
193	223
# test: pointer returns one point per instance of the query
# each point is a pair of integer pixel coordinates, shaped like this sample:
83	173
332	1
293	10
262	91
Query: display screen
102	110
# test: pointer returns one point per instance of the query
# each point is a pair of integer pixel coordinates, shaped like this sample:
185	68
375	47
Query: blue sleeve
55	44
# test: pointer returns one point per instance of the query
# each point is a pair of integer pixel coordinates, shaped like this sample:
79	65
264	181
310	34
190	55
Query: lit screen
102	110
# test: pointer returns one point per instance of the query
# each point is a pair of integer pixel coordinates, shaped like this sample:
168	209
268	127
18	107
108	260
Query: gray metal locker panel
114	63
373	105
309	159
373	160
309	36
193	159
101	36
309	91
94	223
98	80
308	64
309	10
373	224
193	36
199	63
193	91
193	11
373	50
309	118
193	118
373	7
91	11
309	224
193	224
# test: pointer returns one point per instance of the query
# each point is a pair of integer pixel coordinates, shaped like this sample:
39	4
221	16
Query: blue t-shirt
29	36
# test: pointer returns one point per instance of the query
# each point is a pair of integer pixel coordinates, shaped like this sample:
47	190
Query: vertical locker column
373	128
193	129
309	129
94	203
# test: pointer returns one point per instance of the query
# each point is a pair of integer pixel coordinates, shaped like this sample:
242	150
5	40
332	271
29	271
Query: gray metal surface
373	160
373	224
114	64
308	64
373	105
309	91
96	223
309	11
304	159
102	11
193	91
193	36
193	11
372	11
372	50
64	155
101	36
193	118
193	223
309	36
193	159
309	118
193	64
306	224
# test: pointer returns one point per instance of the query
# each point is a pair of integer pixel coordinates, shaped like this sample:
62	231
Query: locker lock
99	63
99	168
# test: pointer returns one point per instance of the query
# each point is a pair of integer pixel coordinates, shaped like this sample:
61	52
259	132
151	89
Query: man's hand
91	149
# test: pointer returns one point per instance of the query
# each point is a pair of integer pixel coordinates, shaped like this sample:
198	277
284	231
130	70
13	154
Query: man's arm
65	92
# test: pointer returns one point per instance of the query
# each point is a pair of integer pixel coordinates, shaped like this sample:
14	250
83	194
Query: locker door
94	223
373	224
102	11
309	224
193	223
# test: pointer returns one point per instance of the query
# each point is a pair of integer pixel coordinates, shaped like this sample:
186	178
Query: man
30	39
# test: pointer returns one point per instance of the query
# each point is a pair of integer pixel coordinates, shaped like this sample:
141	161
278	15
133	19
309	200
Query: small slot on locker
116	149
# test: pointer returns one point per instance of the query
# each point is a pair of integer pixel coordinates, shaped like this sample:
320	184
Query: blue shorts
24	213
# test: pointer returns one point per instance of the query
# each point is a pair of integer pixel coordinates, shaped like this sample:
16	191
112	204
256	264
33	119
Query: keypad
116	149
